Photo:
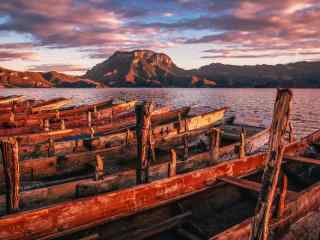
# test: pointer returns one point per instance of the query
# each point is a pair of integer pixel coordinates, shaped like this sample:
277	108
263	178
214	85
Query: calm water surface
254	105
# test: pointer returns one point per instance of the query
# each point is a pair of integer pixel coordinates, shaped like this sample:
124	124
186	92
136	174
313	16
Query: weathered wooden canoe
11	99
51	104
56	189
33	169
203	203
106	138
77	120
76	215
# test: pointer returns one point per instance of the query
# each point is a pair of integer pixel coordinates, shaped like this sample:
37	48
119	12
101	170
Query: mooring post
173	163
89	119
10	160
46	125
282	197
12	117
242	147
62	124
260	225
214	144
99	168
291	133
143	116
51	149
57	114
185	147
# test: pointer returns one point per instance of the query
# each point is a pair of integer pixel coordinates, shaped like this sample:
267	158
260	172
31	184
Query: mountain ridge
146	68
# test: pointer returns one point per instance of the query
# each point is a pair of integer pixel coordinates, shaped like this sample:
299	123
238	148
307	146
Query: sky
72	36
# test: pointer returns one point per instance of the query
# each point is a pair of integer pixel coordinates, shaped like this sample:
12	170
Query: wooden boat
73	162
53	174
11	99
25	118
77	120
51	104
203	203
108	138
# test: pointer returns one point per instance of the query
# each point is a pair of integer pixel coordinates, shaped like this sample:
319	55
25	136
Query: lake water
253	105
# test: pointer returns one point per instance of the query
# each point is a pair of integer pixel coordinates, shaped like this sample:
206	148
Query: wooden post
242	147
10	160
62	124
89	119
260	225
51	149
12	117
214	144
58	114
143	116
92	132
152	146
14	107
173	163
46	125
291	133
282	197
99	168
185	147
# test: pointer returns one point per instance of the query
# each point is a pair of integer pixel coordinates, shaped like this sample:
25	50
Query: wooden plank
250	185
302	159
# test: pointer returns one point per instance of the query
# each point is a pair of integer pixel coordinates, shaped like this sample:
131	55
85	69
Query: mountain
299	75
144	68
10	78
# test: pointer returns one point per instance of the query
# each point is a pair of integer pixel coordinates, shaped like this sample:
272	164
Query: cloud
242	28
12	55
57	67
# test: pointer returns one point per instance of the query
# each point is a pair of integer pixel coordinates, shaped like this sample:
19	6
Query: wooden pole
242	147
58	114
214	144
12	117
173	164
46	125
10	160
260	225
99	168
62	124
185	147
143	116
152	146
51	149
89	119
291	132
282	197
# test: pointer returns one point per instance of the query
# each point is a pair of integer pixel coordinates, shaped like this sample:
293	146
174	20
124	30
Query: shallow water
252	105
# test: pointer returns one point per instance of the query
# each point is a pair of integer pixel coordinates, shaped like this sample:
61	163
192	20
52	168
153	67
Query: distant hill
10	78
300	74
144	68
